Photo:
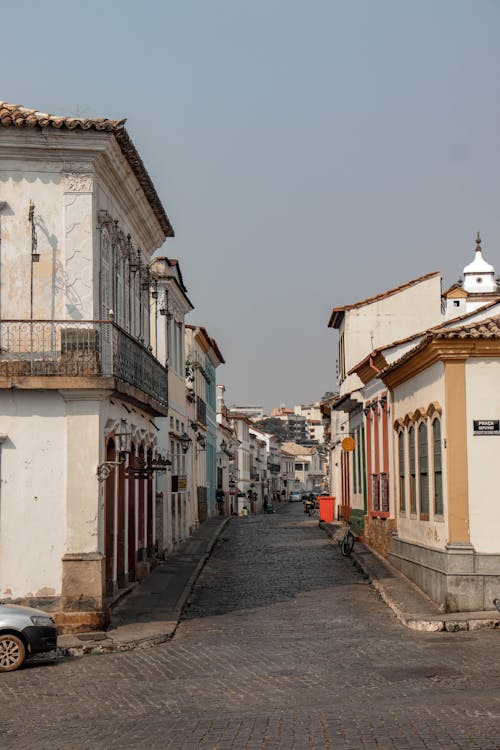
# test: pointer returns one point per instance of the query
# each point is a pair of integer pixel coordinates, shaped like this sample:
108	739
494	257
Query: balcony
79	354
201	411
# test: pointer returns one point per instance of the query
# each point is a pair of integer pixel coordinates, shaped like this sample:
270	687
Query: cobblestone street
283	645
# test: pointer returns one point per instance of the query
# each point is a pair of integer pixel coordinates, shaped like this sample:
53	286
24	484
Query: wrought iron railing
201	410
92	348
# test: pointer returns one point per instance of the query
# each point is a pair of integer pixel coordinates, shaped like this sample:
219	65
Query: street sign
486	426
348	444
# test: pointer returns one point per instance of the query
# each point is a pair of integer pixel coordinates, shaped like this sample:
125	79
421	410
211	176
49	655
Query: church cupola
479	276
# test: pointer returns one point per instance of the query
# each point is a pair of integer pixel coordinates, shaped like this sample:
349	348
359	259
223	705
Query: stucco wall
33	491
419	392
379	323
483	402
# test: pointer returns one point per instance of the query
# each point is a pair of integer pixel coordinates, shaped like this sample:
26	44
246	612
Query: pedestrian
265	503
220	497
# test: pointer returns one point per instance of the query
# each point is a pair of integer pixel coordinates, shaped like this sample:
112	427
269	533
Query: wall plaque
486	426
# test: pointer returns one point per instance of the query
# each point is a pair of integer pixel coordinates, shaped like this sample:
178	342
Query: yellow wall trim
456	452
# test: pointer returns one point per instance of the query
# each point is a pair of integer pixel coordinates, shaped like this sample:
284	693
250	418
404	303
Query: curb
107	644
451	623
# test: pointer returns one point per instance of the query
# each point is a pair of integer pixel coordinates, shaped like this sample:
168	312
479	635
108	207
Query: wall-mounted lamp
123	436
35	256
185	442
145	280
134	258
164	307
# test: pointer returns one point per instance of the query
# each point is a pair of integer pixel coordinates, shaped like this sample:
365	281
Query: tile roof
295	449
483	329
336	311
13	115
415	335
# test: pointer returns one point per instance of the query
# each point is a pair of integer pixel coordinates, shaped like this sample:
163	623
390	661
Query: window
401	453
413	486
384	493
423	468
456	302
376	492
438	476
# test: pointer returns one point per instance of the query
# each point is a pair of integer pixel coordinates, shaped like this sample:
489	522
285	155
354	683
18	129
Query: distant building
252	412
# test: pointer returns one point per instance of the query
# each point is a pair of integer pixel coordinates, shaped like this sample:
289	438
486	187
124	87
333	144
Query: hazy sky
309	154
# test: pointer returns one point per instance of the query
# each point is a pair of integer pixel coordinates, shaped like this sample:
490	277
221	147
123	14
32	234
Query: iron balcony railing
201	411
79	349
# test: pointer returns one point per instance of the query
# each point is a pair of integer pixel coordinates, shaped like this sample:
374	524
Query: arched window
413	477
106	281
438	475
423	470
401	454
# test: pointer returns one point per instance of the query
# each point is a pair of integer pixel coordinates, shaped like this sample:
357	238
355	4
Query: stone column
82	591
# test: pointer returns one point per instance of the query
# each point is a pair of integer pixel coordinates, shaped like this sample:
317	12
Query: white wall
373	325
483	452
420	392
33	492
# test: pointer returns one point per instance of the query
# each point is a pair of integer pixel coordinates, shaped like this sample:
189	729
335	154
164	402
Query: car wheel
12	652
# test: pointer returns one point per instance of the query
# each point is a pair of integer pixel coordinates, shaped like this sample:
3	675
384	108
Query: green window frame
413	476
438	470
423	470
401	453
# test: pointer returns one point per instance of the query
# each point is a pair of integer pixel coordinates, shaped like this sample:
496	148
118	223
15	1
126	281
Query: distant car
24	631
296	496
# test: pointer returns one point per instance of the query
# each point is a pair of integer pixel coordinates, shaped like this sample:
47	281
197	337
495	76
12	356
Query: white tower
479	276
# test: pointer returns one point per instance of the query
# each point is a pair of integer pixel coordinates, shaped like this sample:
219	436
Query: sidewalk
150	613
409	604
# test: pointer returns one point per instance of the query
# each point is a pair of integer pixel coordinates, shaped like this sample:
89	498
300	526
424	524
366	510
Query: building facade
80	382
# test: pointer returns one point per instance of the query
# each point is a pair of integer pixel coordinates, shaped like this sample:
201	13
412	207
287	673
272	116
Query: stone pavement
410	605
150	612
282	645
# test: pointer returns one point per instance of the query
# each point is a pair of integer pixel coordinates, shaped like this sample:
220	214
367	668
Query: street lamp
123	437
185	442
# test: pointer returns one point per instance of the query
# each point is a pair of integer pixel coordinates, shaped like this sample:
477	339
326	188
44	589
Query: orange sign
348	444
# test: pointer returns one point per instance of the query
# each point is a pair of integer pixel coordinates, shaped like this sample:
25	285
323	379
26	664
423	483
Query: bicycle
347	542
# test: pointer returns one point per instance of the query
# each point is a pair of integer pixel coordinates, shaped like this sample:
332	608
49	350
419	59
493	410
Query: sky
308	154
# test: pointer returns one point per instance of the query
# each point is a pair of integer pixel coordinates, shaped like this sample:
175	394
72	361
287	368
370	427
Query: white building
80	386
170	305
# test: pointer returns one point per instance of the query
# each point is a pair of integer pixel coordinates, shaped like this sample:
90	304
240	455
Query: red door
141	502
120	562
109	518
131	519
150	507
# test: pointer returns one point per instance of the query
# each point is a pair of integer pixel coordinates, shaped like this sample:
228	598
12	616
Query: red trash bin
326	508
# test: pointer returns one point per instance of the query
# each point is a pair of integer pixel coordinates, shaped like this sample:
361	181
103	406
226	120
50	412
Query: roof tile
13	115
